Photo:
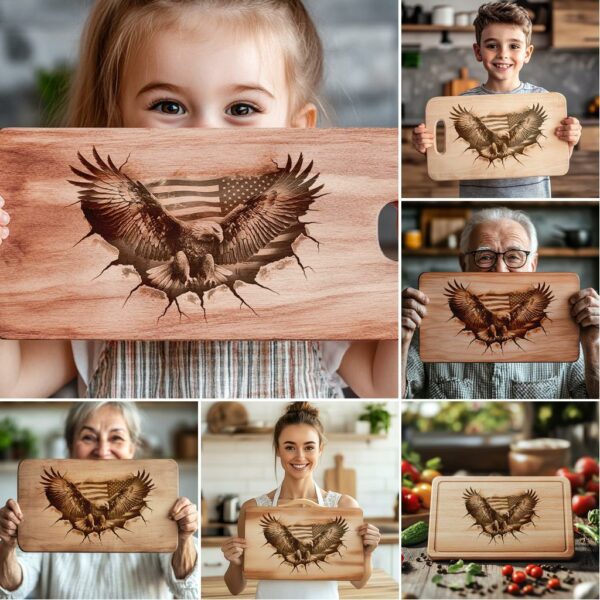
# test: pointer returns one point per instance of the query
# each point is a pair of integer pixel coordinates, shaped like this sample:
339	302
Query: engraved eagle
89	511
302	545
517	313
501	515
178	256
519	131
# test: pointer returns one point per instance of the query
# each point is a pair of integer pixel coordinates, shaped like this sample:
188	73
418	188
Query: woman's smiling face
104	435
299	450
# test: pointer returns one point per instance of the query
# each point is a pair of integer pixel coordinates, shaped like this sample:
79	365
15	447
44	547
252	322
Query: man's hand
569	131
585	310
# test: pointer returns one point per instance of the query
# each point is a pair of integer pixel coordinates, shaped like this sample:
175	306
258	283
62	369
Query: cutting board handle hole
440	137
387	230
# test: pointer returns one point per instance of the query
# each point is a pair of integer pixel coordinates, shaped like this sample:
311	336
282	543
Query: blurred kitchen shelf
548	251
11	466
413	28
249	437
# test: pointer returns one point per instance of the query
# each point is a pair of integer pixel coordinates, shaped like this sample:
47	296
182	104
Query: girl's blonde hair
116	27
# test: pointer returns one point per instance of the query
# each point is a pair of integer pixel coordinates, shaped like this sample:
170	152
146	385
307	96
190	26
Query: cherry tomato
587	466
582	503
513	588
536	572
553	583
527	589
411	503
528	569
423	490
519	577
577	480
592	486
409	471
428	475
507	570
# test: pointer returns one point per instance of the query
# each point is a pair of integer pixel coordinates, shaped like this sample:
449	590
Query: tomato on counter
582	503
410	503
409	470
428	475
587	466
577	480
423	491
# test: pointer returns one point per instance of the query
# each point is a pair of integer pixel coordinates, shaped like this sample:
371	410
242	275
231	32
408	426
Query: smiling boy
503	46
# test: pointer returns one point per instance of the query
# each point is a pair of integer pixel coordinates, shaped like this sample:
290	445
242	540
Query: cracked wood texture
50	283
41	531
454	534
499	114
441	339
259	562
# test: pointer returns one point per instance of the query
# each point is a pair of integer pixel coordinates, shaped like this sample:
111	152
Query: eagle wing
264	216
521	508
124	212
531	306
467	307
525	127
328	536
64	496
479	508
471	128
129	500
278	535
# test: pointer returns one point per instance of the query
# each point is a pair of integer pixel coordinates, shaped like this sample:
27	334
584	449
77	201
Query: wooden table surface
381	586
416	578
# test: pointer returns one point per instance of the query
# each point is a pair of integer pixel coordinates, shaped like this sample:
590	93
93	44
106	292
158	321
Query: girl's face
104	435
207	77
299	450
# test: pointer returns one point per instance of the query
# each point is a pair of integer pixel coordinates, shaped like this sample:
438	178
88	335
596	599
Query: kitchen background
565	60
35	430
436	225
241	465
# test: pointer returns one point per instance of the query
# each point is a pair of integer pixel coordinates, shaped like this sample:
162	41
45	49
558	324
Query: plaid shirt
519	381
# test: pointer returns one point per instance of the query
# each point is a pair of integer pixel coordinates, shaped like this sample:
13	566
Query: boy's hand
4	221
422	138
569	131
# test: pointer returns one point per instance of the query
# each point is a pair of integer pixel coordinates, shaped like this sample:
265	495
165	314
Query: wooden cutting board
302	263
456	87
497	136
339	479
132	496
543	335
330	530
493	518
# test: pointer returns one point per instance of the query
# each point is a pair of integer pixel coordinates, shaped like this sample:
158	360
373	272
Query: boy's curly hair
502	12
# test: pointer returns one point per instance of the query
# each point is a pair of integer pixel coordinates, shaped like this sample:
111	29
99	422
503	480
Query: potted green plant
378	416
7	436
24	445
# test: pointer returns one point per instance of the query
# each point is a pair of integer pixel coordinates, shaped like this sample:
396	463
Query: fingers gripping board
303	543
499	317
494	518
197	234
97	505
497	136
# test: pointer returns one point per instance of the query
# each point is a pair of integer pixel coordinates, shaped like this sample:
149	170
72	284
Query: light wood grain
440	340
259	562
40	531
452	533
49	284
459	162
340	479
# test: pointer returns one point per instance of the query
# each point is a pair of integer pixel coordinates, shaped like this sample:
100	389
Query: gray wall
360	37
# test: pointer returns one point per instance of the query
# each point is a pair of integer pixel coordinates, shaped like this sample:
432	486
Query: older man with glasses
501	240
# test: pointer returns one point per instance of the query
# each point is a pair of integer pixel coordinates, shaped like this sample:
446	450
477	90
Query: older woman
100	431
501	240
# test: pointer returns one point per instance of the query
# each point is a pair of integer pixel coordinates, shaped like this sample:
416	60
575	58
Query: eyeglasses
513	259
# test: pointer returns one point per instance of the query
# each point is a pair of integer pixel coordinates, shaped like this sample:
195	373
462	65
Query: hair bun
303	407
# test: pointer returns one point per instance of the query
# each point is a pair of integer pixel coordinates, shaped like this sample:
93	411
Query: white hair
502	213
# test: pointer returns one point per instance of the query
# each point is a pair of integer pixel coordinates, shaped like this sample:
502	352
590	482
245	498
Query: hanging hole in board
440	136
387	230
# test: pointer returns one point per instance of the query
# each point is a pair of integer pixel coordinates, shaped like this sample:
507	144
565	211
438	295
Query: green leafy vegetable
436	579
593	517
456	585
474	569
469	579
434	463
456	567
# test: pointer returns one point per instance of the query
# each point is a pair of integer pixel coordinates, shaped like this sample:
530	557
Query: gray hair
488	215
80	411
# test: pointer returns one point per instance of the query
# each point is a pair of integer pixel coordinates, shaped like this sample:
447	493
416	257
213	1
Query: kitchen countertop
380	587
416	580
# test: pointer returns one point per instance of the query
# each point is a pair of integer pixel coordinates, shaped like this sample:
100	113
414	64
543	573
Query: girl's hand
4	221
422	138
186	515
569	131
370	536
10	519
233	549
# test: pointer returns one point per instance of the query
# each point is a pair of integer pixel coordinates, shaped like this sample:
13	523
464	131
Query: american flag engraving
186	235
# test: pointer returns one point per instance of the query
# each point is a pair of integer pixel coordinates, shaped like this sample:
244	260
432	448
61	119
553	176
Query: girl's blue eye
241	109
168	107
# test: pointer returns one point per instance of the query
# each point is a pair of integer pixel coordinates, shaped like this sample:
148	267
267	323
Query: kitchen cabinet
575	24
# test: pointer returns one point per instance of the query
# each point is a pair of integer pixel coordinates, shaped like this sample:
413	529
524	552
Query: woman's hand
233	549
186	515
4	221
422	139
370	536
10	519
